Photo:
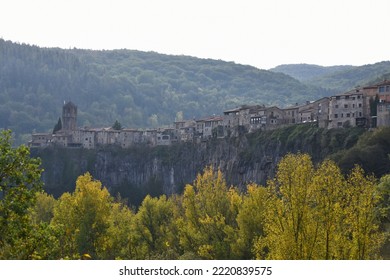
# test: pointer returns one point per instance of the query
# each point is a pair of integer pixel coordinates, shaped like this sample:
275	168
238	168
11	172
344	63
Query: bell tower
69	116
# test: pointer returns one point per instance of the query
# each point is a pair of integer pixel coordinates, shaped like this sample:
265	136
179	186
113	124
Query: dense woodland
306	212
139	89
337	78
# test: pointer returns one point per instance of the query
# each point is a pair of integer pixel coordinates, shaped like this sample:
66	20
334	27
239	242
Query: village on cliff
367	107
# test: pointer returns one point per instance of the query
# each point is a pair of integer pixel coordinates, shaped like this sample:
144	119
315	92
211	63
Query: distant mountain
336	79
357	76
139	89
305	72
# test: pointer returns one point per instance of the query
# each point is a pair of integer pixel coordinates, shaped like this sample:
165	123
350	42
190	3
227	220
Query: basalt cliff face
142	170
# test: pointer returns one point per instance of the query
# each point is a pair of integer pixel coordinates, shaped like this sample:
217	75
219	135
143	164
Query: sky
261	33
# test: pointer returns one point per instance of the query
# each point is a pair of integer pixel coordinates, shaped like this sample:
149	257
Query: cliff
141	170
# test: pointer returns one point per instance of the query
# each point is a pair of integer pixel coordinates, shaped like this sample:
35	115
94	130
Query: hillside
336	79
304	72
356	76
140	89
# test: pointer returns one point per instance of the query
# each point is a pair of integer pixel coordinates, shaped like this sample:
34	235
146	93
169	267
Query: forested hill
337	78
140	89
306	72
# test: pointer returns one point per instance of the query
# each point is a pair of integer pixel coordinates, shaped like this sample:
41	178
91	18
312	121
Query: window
345	106
255	120
336	106
360	105
347	97
348	115
342	115
336	116
337	97
382	89
353	105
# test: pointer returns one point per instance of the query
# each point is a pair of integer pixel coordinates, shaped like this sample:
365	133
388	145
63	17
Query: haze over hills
306	72
336	78
143	89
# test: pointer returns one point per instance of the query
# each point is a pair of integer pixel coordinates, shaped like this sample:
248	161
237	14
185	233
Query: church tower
69	116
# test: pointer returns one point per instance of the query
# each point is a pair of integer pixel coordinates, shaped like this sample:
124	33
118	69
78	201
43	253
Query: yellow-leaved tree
315	213
250	221
208	228
83	217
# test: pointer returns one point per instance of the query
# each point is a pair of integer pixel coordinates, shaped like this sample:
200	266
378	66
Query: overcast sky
262	33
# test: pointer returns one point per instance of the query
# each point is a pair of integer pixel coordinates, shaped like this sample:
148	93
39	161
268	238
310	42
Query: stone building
69	116
347	110
266	118
315	111
382	94
383	114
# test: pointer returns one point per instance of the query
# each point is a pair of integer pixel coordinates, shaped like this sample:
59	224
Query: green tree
155	229
117	125
19	183
43	209
58	126
384	190
119	241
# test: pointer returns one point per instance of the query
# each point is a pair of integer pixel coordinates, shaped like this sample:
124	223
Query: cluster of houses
363	107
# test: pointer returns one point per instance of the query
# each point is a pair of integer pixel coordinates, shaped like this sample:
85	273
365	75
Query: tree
43	209
117	125
288	230
155	229
83	217
384	191
179	116
362	218
250	219
119	240
209	226
19	183
318	214
58	126
329	190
